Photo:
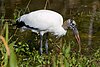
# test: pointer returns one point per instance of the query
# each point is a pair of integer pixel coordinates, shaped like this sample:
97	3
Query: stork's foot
46	43
41	39
41	51
46	51
46	47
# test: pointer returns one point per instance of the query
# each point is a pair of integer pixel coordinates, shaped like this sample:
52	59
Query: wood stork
44	21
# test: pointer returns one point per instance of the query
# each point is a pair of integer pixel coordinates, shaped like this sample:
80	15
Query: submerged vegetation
20	49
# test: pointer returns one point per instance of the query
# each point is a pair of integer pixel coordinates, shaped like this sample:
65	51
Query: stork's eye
73	24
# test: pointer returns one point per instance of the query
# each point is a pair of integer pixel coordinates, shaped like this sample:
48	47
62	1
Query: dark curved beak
76	33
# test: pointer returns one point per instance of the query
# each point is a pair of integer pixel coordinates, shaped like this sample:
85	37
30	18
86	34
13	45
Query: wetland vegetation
20	49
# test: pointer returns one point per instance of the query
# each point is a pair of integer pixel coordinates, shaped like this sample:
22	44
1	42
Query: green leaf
13	59
54	61
74	60
93	65
66	64
6	60
7	32
67	52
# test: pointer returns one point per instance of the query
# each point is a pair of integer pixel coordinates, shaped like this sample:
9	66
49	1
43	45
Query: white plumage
43	21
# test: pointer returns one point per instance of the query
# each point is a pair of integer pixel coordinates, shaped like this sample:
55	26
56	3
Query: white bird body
45	21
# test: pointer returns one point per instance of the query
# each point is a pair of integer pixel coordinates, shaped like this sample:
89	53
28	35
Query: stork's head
72	25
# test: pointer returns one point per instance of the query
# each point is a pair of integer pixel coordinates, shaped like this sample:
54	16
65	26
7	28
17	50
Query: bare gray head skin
72	25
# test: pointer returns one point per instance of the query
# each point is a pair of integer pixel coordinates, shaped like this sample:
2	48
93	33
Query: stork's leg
41	39
46	43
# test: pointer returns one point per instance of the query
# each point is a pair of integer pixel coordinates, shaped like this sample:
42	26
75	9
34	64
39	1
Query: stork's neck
65	25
